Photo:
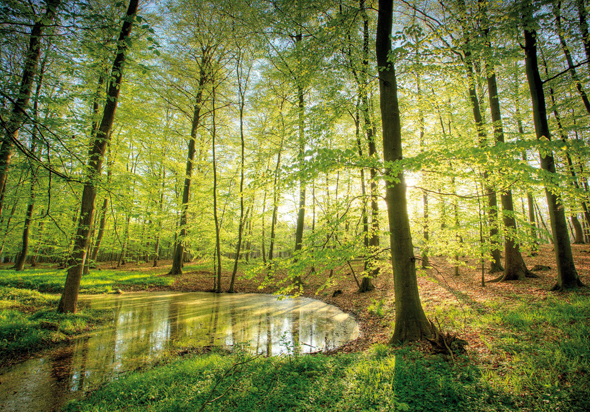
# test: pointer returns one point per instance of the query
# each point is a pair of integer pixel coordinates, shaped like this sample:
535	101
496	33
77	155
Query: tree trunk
567	276
495	264
177	260
242	97
22	257
217	225
578	232
273	223
568	57
301	125
69	298
583	22
17	115
410	320
514	266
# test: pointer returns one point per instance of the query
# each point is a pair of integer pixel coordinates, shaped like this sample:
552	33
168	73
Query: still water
147	325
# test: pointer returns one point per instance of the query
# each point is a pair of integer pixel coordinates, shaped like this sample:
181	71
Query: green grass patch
28	322
540	349
376	381
97	281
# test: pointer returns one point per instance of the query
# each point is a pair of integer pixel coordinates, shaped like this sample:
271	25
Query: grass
28	322
97	281
375	381
537	359
539	350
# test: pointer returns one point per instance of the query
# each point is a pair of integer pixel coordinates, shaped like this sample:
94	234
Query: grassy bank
525	354
28	322
97	281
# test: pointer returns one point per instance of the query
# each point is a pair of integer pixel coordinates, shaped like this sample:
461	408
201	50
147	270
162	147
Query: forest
418	168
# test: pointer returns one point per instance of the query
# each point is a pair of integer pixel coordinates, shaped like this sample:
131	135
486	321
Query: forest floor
528	348
439	287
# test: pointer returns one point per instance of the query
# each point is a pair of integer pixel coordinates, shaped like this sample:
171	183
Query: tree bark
567	276
242	97
69	298
17	114
568	57
495	264
217	225
177	260
410	320
514	266
371	268
22	257
583	22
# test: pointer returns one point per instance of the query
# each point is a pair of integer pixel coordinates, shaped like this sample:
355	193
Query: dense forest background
252	130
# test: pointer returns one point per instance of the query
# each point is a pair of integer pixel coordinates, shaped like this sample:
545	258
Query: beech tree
567	276
69	298
410	320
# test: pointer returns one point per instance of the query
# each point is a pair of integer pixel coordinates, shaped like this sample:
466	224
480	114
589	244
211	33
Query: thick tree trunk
410	320
567	276
69	298
17	114
177	259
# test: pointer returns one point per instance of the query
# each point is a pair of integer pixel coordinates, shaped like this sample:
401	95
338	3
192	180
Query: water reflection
146	325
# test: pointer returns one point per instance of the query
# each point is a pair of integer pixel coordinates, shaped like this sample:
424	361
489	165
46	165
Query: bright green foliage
98	281
29	323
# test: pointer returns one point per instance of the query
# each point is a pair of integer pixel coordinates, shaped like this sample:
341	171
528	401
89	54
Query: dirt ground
437	286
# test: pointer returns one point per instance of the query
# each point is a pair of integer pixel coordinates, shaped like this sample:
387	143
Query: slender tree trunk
365	218
275	200
514	266
410	320
217	225
578	232
69	298
568	57
263	239
567	276
160	210
178	258
371	268
242	97
301	124
495	264
22	257
18	113
583	22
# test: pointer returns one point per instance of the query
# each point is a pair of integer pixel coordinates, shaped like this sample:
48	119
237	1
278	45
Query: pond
148	325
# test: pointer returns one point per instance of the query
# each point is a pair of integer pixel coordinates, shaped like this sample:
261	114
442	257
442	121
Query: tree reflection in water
147	325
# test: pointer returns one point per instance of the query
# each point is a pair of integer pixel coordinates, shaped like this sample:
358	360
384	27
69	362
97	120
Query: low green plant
29	322
376	307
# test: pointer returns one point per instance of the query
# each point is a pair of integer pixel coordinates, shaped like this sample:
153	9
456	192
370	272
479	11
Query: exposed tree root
577	284
446	343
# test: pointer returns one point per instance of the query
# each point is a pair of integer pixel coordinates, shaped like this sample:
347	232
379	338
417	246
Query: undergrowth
97	281
28	322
